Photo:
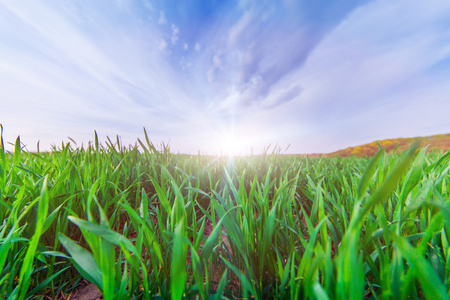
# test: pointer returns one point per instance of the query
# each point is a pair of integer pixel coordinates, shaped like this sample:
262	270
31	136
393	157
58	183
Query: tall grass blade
27	266
368	174
433	287
17	152
178	265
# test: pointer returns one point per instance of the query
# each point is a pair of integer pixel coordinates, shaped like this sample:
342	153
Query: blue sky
212	75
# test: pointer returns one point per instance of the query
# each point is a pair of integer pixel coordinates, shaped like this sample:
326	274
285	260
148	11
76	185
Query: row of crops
142	223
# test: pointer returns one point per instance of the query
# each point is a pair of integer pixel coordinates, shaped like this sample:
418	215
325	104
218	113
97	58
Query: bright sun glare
232	146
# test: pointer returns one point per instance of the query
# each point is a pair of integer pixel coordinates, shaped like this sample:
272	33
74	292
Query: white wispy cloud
162	44
175	32
148	5
162	18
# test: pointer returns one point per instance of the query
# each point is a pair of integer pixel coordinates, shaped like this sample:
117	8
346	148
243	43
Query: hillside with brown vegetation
436	142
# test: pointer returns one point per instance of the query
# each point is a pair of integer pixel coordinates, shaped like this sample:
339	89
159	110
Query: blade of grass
27	266
178	266
83	261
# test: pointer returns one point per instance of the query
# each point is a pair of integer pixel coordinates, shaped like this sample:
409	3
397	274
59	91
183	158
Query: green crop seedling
143	223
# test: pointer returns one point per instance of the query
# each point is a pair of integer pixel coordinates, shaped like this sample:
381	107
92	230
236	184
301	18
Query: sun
232	146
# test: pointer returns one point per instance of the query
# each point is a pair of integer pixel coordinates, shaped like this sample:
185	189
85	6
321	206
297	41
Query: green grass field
142	223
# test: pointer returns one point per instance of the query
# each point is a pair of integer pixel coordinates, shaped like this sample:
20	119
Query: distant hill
439	141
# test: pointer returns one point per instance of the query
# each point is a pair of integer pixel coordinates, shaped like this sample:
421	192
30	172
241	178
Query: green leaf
211	240
44	283
319	292
442	160
221	286
269	229
156	247
368	174
27	266
83	260
51	217
162	196
245	282
2	145
388	186
96	142
178	276
17	151
92	192
414	175
5	246
105	233
431	284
